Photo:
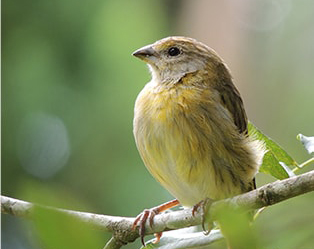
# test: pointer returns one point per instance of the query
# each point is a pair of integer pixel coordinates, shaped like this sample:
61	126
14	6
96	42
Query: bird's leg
203	205
148	215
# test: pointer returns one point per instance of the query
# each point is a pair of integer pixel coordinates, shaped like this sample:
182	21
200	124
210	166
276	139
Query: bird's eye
174	51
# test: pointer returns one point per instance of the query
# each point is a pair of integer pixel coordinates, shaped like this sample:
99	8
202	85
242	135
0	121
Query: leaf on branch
274	157
235	225
57	230
308	142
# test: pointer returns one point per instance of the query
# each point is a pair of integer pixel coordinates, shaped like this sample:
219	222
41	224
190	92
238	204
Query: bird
191	128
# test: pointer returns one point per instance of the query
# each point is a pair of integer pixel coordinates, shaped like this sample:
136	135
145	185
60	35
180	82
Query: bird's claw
149	214
140	221
203	205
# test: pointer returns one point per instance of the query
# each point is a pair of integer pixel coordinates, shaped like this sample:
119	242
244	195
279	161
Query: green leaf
271	165
57	230
308	142
274	156
236	228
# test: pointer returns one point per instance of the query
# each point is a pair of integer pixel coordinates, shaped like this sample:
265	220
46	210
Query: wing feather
231	99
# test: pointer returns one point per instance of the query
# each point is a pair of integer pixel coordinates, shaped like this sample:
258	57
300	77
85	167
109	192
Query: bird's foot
204	206
141	219
148	216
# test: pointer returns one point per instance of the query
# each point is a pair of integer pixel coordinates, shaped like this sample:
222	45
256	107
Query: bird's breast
173	141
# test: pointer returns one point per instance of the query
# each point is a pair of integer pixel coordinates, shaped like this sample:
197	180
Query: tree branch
120	227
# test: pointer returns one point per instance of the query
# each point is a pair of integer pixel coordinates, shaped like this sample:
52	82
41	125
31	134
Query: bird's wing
231	99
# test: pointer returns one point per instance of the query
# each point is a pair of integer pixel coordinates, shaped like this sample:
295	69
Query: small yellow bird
190	126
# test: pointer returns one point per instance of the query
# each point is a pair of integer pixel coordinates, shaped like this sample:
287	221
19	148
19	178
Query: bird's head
173	57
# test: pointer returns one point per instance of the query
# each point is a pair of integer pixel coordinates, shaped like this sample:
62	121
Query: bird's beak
145	53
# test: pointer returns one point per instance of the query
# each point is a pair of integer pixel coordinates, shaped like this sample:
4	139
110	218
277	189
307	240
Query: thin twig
302	165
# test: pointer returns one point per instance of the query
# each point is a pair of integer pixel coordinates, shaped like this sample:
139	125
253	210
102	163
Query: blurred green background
69	84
